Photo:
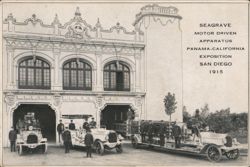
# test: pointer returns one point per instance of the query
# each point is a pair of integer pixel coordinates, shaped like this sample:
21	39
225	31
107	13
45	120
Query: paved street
130	156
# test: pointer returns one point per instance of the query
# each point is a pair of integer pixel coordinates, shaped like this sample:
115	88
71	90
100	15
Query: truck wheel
233	154
134	142
119	149
20	150
214	153
99	148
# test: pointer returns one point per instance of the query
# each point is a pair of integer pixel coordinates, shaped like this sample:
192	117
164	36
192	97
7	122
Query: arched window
116	77
77	75
33	73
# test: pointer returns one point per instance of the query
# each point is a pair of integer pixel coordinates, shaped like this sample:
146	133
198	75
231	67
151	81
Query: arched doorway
44	113
113	115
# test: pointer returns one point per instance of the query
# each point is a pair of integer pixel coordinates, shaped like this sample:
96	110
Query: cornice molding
81	46
72	92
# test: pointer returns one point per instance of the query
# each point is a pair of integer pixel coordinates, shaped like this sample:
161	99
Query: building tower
163	59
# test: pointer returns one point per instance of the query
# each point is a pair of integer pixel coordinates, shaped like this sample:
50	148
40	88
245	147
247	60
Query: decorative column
57	85
10	70
138	104
99	70
56	106
99	103
137	70
7	116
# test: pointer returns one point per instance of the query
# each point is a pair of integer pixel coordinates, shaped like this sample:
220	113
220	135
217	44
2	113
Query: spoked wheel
233	154
134	142
99	148
20	150
214	154
119	149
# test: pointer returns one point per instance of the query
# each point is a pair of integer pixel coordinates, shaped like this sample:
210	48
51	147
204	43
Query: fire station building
75	68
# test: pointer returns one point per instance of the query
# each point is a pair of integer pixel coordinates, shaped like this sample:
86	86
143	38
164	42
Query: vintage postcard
124	83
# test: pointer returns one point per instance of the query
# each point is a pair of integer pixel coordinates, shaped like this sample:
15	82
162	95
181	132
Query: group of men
65	133
24	124
162	130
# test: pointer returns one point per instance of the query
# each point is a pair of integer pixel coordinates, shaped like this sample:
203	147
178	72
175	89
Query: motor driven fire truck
159	134
103	139
30	136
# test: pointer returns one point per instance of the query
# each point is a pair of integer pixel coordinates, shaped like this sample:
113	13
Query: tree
170	104
221	121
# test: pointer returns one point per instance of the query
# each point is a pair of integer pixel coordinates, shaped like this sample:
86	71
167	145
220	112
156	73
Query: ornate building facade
79	69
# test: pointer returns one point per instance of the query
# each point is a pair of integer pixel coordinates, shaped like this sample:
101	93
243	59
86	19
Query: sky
219	91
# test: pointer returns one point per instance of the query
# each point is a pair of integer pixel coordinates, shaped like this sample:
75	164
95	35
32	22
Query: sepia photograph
124	83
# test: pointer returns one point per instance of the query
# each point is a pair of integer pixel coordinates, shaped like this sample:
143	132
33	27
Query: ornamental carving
118	28
10	18
10	99
138	101
57	99
34	20
77	31
99	100
76	28
56	21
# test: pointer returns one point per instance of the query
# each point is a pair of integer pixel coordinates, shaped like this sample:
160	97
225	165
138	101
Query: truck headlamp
30	128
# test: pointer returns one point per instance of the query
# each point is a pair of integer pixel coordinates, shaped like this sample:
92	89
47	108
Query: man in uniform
85	124
37	123
19	125
12	138
60	129
89	140
66	139
72	125
150	132
143	130
177	135
162	132
92	123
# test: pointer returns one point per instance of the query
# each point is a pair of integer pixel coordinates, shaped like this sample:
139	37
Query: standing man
89	140
177	135
66	139
60	129
38	123
12	138
19	125
85	125
72	125
92	123
162	132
